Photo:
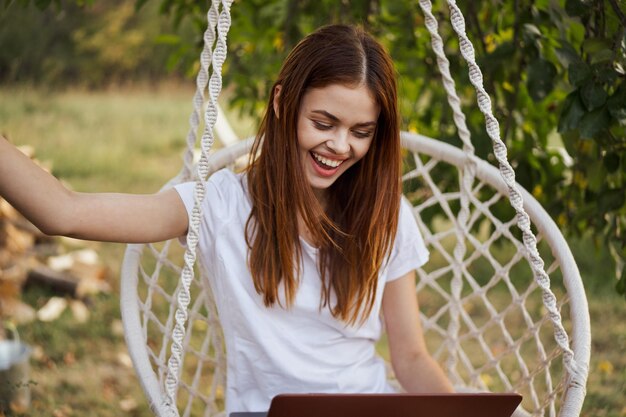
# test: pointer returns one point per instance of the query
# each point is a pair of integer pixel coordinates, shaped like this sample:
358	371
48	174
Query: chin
321	184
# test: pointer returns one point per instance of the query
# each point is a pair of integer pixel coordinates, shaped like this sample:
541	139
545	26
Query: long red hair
357	230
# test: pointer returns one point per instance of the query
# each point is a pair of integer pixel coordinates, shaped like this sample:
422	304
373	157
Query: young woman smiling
309	251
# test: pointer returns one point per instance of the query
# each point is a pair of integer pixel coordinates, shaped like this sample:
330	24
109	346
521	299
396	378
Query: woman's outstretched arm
415	369
55	210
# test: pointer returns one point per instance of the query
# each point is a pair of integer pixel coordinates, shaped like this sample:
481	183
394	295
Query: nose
339	143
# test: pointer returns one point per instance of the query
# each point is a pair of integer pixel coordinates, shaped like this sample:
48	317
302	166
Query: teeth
329	162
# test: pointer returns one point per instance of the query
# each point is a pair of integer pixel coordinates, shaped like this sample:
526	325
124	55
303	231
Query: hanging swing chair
503	306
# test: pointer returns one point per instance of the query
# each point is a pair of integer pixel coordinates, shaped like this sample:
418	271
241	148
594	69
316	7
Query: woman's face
336	126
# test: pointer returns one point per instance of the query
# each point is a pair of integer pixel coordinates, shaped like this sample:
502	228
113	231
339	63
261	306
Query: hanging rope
202	80
183	297
578	376
467	181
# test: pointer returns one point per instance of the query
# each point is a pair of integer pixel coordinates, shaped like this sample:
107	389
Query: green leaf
594	122
567	55
594	45
611	162
573	111
571	139
603	55
578	73
617	104
604	74
540	81
593	95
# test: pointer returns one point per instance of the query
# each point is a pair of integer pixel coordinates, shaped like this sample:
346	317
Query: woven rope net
504	339
497	296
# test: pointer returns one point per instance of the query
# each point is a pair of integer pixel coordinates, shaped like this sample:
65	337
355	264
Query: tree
92	45
555	70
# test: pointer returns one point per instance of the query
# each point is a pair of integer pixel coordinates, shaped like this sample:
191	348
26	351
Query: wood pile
30	258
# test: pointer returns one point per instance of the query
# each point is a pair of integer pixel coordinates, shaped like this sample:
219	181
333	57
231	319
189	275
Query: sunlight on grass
109	141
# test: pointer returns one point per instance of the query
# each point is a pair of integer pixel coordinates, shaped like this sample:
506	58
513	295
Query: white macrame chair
492	314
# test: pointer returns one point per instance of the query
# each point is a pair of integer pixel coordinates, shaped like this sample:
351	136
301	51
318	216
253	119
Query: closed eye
362	134
321	126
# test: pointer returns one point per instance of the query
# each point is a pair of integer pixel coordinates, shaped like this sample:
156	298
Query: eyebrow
336	119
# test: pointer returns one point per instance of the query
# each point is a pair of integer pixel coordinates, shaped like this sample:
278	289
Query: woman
305	249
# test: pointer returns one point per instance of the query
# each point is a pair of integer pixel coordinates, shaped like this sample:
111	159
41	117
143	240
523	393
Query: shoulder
407	222
225	178
222	182
224	190
409	250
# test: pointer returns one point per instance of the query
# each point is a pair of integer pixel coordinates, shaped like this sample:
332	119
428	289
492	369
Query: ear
276	102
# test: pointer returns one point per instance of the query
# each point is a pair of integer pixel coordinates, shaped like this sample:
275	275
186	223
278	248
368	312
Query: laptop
390	405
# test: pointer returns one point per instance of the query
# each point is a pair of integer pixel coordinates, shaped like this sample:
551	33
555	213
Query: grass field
131	141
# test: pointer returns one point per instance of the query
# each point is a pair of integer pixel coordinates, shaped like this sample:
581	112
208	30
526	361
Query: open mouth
326	163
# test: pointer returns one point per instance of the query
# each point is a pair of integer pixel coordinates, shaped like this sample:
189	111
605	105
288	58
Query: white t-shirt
301	349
